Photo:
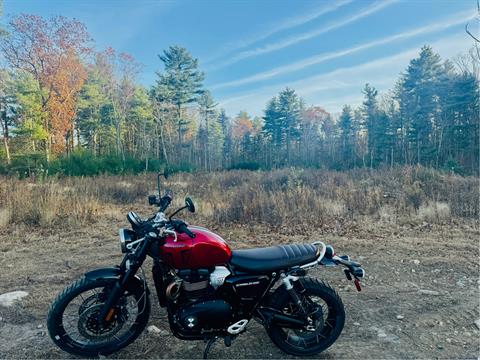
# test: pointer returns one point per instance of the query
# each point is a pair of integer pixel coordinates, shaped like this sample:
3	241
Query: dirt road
420	298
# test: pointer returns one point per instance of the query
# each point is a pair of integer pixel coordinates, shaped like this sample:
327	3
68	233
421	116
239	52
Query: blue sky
250	50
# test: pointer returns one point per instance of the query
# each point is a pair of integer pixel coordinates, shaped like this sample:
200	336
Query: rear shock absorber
287	282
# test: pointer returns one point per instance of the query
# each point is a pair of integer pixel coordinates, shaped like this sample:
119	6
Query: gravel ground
420	297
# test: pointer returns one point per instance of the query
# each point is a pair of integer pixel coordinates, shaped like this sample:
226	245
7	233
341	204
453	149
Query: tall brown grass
280	197
68	200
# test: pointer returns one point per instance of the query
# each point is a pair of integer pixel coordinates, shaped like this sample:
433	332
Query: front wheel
73	318
325	313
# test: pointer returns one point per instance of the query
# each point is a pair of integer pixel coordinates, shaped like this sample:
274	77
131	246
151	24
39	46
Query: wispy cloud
320	88
459	18
293	40
336	79
282	26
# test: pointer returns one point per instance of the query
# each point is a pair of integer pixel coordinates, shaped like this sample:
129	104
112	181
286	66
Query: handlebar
181	227
352	267
347	263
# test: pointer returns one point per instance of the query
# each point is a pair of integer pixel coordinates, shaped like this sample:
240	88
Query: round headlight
123	242
126	237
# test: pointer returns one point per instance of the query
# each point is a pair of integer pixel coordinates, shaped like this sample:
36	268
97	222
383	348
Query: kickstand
208	347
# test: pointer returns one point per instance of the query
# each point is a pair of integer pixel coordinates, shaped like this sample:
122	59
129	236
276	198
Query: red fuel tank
205	250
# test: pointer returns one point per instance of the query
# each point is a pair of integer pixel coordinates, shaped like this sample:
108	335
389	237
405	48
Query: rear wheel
325	313
73	318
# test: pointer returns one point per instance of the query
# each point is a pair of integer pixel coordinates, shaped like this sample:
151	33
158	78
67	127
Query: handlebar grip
168	193
184	228
358	272
165	200
347	263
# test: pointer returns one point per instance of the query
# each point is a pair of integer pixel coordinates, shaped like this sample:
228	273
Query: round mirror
189	204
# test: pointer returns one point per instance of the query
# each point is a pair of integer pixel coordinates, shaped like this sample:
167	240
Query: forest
392	180
69	108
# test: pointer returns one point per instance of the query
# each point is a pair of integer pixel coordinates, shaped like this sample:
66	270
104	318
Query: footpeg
238	327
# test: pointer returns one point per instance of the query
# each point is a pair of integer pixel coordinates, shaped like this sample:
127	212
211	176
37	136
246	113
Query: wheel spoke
80	324
320	327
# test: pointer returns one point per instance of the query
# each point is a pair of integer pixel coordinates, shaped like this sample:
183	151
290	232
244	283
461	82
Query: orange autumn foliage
67	82
50	50
241	127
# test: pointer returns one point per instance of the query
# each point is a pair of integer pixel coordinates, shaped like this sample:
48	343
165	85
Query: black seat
269	259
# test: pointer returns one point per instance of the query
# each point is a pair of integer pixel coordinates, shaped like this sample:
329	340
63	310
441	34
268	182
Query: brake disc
90	328
88	302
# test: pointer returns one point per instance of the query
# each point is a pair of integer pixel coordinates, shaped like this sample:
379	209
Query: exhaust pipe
287	321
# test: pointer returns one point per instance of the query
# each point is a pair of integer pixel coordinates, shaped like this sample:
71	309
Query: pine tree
370	115
207	111
140	127
180	84
224	122
289	109
419	102
8	110
91	111
29	123
272	131
345	124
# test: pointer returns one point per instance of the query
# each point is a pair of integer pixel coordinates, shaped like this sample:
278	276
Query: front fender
134	284
104	273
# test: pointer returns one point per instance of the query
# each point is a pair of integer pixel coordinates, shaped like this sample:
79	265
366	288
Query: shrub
181	167
246	165
289	198
28	165
434	212
83	163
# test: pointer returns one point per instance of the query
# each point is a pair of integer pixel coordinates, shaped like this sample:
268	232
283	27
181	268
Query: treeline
68	108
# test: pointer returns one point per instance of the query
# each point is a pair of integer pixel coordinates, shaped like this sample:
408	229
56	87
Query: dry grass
288	197
69	200
316	197
384	219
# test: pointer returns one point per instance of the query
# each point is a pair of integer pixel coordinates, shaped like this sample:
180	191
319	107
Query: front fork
129	267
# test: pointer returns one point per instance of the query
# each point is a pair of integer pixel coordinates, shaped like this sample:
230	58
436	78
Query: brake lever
170	232
356	280
353	271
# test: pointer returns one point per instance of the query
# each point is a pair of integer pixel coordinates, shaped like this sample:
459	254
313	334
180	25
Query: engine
198	310
205	316
195	283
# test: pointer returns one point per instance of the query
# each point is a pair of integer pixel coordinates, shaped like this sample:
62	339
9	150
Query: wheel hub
315	322
90	327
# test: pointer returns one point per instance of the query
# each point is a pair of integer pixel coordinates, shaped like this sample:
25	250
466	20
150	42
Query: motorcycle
209	290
